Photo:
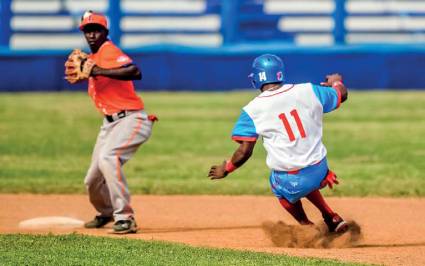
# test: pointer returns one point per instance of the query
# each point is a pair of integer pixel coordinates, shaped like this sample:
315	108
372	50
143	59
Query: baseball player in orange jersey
125	126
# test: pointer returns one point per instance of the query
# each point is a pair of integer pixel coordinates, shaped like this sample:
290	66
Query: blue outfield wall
177	68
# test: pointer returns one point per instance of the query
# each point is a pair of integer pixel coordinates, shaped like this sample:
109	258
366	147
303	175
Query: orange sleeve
112	57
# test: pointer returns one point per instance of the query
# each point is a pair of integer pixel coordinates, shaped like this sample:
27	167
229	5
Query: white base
51	222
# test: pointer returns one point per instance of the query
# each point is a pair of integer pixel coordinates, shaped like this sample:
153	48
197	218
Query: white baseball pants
115	145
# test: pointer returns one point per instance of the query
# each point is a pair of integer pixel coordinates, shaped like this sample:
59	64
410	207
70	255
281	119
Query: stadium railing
215	23
210	44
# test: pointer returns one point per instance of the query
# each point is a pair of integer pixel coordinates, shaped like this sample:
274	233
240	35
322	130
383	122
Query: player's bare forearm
240	156
130	72
243	153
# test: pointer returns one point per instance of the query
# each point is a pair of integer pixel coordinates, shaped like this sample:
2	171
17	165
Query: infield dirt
392	230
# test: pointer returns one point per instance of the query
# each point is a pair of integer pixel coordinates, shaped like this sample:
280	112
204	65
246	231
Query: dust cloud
311	236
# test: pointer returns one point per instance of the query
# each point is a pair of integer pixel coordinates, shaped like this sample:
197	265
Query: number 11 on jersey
288	128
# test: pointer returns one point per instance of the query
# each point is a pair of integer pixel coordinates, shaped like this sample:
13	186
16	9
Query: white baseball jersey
289	120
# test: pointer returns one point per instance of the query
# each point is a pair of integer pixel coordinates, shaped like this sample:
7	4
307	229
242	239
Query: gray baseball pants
115	145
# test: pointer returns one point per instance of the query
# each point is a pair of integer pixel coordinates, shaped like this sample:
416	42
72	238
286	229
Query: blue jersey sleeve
244	129
329	97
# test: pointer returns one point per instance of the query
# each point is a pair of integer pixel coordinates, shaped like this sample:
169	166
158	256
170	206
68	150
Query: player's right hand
329	180
330	79
218	171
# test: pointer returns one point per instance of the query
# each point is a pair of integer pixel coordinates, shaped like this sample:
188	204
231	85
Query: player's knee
107	163
92	176
90	181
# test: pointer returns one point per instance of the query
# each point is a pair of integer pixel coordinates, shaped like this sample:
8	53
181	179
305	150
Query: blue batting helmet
267	68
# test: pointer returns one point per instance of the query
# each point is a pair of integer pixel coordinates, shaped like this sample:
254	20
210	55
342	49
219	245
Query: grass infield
86	250
375	144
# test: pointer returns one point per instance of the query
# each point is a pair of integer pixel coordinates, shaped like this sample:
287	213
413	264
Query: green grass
375	144
85	250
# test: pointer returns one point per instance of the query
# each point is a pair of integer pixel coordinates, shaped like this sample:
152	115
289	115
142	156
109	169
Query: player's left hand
78	67
329	180
330	79
218	171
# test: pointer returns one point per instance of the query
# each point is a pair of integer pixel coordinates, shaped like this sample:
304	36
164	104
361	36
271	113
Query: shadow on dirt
311	236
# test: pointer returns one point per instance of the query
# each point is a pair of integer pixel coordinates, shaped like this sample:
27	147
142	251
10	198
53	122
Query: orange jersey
112	95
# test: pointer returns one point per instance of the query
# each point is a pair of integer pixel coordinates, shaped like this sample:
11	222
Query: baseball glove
78	67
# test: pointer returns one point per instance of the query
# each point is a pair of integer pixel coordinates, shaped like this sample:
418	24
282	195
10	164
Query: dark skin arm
240	156
330	79
129	72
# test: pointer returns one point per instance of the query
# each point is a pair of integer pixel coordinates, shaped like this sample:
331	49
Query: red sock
296	210
317	199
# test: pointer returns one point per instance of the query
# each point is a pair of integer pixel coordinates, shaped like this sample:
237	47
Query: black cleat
336	224
125	227
98	222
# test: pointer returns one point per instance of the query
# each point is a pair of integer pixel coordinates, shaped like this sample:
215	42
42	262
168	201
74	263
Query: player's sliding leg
296	210
317	199
334	222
